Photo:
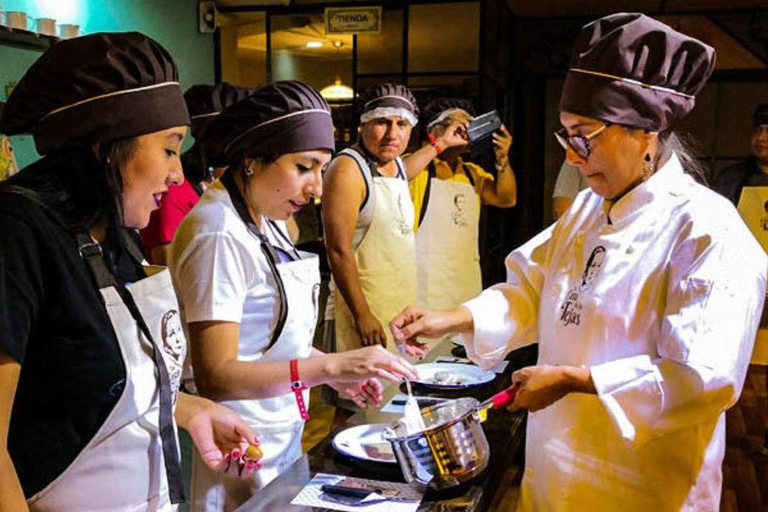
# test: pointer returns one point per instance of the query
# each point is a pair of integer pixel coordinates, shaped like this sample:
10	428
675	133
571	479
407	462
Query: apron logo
459	214
173	346
572	306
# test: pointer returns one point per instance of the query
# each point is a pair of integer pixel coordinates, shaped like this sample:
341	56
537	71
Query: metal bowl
452	450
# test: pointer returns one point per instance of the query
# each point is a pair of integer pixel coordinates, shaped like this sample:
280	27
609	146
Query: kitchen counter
504	430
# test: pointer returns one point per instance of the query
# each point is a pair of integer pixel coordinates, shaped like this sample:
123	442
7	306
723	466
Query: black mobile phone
482	127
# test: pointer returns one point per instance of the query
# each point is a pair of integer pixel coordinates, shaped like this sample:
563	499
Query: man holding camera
447	193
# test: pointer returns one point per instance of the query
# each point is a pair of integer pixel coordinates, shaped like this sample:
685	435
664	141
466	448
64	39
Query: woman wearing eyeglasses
644	297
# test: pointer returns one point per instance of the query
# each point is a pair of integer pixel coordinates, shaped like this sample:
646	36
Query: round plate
468	375
364	442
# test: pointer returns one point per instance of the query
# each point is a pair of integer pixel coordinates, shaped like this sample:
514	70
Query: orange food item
253	452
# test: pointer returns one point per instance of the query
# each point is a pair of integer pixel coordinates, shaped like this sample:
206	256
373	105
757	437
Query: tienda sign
352	20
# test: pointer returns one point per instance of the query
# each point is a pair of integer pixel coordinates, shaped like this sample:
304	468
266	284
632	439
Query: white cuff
630	389
487	344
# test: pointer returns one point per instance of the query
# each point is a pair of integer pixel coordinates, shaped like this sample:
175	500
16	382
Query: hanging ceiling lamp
337	91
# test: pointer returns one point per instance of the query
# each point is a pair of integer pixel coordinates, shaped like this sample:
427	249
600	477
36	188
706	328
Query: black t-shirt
732	179
53	322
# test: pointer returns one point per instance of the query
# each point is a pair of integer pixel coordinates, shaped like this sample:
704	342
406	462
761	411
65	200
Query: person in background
746	186
368	223
90	349
752	172
644	297
204	103
249	297
447	193
8	165
569	182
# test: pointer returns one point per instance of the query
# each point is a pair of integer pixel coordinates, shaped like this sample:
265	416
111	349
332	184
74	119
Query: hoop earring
249	171
648	167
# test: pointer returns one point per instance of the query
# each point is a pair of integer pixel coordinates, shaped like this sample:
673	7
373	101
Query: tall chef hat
284	117
630	69
96	88
385	100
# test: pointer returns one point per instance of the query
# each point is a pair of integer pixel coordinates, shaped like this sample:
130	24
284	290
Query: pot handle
506	397
500	399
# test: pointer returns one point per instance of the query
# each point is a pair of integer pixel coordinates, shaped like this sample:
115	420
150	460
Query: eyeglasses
580	144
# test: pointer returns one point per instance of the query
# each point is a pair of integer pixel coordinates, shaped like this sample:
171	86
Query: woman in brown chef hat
250	298
636	366
89	396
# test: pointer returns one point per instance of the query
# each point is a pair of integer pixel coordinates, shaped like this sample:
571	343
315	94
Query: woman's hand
371	331
502	141
364	393
455	135
541	386
430	323
220	435
239	464
363	363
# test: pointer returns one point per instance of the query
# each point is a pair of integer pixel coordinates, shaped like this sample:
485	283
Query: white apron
385	262
277	421
122	468
753	208
446	244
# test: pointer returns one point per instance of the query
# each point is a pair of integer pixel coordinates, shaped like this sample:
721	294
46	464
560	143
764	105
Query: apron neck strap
241	208
292	252
373	163
93	255
369	158
432	171
468	173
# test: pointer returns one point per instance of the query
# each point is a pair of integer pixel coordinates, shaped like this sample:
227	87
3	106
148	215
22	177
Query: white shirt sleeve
569	181
505	315
212	277
713	306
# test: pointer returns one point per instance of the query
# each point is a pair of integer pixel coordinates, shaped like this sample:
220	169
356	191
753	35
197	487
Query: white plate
467	374
364	442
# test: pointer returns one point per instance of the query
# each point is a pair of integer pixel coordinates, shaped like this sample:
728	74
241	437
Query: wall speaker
206	17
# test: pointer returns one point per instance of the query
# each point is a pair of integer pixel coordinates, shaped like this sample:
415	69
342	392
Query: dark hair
591	261
76	184
196	169
114	155
670	142
237	165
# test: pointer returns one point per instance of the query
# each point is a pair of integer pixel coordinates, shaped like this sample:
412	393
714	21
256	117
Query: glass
301	50
243	45
444	37
382	52
580	144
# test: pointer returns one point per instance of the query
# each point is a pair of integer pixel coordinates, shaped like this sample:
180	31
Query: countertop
505	432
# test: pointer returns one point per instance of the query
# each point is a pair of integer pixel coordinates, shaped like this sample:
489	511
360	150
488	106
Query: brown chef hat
385	100
96	88
630	69
284	117
205	102
440	108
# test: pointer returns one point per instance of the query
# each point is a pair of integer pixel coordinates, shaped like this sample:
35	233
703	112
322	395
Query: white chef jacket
661	301
220	272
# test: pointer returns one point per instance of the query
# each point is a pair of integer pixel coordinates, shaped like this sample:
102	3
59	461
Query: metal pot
453	448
